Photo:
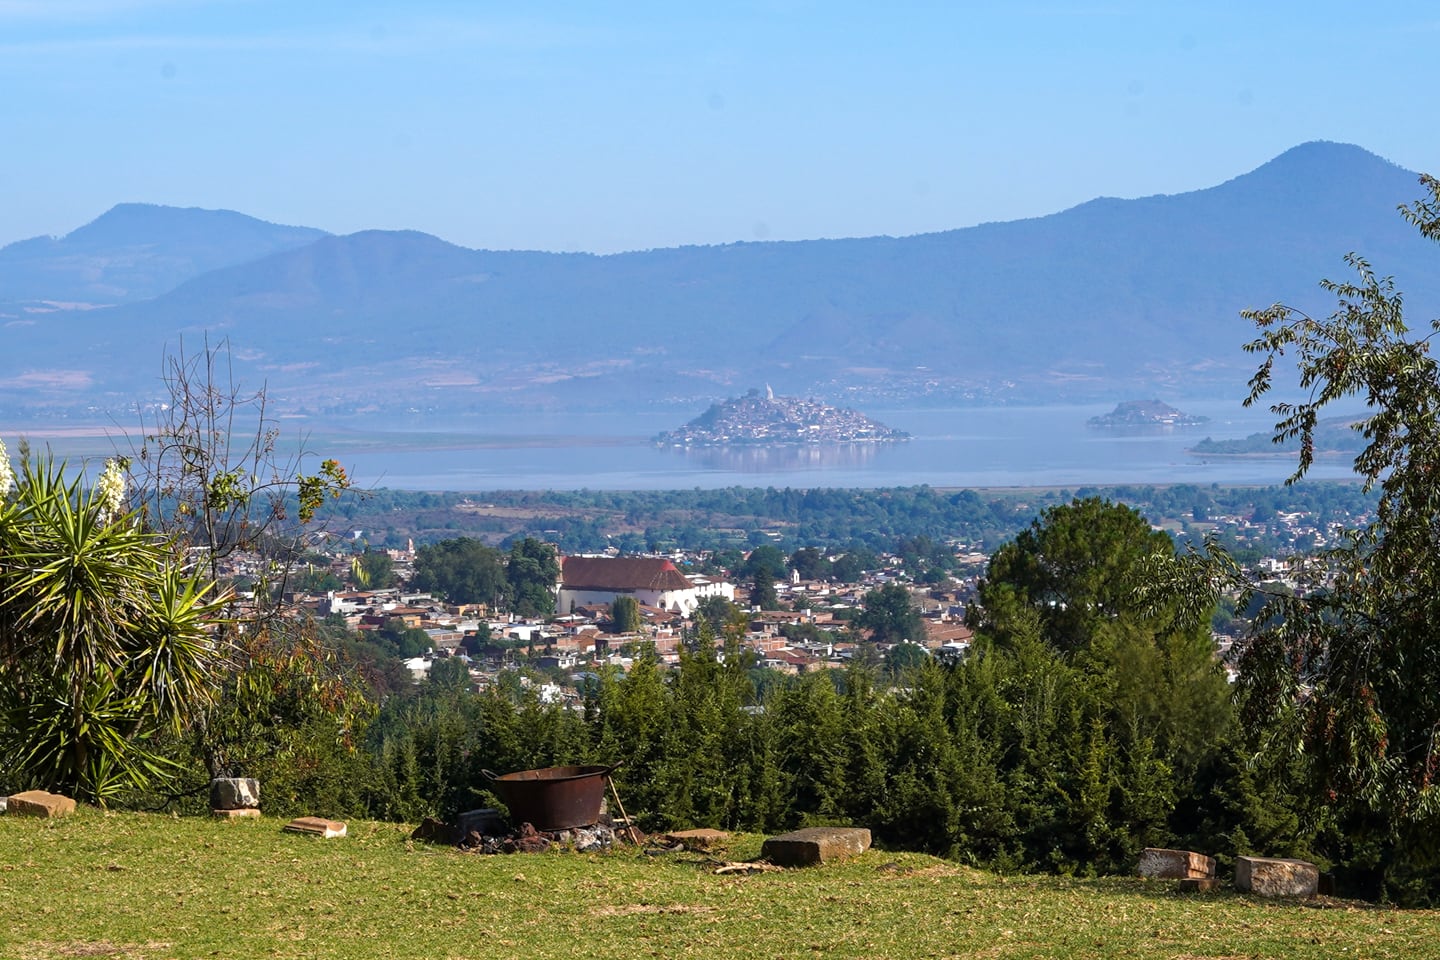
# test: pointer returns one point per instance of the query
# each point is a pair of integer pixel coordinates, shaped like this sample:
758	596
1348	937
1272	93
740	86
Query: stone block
38	803
316	826
234	793
1276	877
1199	884
815	845
702	839
236	814
1158	863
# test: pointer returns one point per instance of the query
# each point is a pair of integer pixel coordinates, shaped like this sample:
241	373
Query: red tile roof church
653	581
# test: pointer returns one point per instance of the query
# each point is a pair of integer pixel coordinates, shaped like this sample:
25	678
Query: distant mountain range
1107	300
136	252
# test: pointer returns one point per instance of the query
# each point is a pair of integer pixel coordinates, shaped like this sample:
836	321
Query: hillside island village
768	420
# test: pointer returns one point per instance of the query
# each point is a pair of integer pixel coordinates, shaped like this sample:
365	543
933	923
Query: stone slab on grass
316	827
815	845
239	814
1158	863
39	803
1276	877
234	793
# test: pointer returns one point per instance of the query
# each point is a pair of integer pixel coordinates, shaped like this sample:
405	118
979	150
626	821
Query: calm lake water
970	447
988	447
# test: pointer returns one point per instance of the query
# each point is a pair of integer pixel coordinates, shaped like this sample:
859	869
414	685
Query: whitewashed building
652	581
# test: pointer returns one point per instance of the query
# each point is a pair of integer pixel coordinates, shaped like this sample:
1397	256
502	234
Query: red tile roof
621	573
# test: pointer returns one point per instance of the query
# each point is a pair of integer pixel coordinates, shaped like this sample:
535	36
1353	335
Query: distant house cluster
582	635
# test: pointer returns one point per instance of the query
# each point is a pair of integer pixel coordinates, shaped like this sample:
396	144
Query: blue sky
620	126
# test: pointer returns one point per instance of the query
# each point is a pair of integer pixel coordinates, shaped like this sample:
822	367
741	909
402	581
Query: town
791	614
809	626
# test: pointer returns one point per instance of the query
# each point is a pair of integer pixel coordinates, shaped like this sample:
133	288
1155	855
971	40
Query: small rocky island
1146	413
1334	436
767	420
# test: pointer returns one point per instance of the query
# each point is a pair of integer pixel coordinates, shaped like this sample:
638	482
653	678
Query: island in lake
1334	436
1146	413
765	419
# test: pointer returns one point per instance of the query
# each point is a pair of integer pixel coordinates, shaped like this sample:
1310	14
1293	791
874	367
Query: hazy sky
617	126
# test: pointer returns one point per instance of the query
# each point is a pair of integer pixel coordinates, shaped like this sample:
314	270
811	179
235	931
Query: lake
971	447
967	447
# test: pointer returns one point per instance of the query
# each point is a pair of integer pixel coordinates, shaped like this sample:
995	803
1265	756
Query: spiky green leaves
104	638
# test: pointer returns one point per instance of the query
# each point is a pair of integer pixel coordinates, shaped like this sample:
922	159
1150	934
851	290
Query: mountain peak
131	223
1324	165
138	250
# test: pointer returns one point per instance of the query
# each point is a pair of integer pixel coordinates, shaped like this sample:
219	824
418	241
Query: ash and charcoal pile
487	831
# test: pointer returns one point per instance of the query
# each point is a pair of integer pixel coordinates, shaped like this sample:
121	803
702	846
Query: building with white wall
652	581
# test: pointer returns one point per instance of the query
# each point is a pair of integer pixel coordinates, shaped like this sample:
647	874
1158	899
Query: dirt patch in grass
92	948
633	909
928	871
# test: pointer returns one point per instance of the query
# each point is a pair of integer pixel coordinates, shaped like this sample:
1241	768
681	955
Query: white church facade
652	581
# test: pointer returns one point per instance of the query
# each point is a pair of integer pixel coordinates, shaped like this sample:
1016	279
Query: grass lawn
141	886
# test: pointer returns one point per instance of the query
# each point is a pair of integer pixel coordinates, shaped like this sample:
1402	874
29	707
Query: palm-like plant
104	637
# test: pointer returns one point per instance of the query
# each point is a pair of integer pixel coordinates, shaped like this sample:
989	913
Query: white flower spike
7	475
110	490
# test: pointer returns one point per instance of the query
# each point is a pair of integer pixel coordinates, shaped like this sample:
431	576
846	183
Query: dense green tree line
912	521
1063	743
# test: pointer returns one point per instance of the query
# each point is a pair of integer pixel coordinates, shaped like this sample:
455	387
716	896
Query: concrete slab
316	826
39	803
1276	877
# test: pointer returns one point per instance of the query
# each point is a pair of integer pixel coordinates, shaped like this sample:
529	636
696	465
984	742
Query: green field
147	886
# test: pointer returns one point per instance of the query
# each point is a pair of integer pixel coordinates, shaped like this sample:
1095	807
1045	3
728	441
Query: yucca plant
104	637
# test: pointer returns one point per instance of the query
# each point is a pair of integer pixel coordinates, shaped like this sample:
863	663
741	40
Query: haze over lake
965	447
971	447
